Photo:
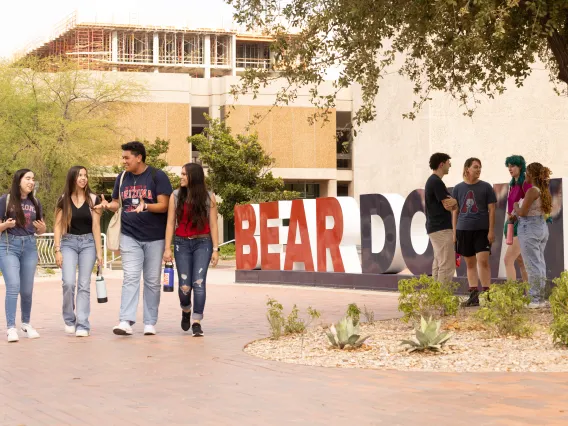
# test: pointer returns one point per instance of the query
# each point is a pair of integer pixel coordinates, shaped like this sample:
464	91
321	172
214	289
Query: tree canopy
50	121
238	168
467	48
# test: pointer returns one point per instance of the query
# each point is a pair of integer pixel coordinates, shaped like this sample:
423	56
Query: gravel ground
472	348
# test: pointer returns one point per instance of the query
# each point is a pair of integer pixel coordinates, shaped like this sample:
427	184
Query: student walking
144	192
517	191
22	219
77	239
192	215
533	230
439	205
474	227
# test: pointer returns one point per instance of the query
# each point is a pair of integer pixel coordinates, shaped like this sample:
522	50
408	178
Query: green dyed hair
519	161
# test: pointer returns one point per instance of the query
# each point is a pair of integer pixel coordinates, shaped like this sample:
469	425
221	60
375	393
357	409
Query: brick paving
173	378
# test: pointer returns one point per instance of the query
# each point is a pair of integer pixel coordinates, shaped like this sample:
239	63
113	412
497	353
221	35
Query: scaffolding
133	47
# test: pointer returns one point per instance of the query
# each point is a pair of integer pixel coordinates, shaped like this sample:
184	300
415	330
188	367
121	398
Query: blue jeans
138	257
533	236
18	262
77	250
192	262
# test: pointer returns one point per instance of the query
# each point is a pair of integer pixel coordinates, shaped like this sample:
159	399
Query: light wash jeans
138	257
533	236
192	262
18	262
77	250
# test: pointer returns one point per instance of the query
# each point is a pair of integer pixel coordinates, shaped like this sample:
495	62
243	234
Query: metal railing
45	243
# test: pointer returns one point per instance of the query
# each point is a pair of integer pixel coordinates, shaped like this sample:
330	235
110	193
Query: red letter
268	235
298	252
245	237
329	238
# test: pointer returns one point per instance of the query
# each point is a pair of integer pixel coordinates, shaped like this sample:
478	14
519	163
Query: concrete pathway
173	378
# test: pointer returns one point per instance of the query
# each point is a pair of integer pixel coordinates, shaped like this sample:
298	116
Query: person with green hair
518	188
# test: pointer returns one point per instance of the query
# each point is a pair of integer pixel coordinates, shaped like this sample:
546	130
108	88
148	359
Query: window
342	189
198	124
344	140
306	190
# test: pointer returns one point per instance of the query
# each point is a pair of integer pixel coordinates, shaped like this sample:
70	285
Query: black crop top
81	219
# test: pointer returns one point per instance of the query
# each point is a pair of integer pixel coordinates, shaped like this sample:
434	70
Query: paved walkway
172	378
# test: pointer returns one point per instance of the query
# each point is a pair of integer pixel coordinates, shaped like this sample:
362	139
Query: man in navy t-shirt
145	193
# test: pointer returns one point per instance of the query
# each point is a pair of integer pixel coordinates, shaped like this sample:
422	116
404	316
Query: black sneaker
185	320
473	299
196	329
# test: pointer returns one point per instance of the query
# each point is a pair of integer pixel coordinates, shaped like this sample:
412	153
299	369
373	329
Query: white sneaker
149	330
123	329
30	331
12	335
82	333
69	329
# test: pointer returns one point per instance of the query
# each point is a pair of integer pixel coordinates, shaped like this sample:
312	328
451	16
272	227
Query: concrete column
207	55
156	51
234	55
114	48
332	188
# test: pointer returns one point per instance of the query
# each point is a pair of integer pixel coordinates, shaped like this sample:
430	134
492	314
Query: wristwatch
215	248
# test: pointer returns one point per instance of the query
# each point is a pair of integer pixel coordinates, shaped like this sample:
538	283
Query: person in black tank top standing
77	244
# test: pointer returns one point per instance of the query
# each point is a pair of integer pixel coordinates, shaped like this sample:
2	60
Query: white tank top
536	207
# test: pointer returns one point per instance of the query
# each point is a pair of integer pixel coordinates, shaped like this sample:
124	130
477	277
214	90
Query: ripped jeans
192	261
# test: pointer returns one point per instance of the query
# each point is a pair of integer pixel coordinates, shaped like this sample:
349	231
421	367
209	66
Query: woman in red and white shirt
192	215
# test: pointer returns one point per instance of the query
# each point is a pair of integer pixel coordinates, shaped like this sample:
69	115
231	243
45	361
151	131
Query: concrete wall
391	154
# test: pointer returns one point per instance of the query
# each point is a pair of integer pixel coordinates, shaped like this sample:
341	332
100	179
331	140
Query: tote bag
113	230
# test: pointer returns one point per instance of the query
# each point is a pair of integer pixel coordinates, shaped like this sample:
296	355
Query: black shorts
469	243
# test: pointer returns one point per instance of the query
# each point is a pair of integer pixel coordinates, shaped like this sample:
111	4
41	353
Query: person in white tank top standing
533	230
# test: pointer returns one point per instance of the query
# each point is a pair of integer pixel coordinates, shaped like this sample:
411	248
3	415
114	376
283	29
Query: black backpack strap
154	171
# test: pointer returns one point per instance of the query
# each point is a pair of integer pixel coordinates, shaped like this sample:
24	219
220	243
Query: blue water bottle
168	280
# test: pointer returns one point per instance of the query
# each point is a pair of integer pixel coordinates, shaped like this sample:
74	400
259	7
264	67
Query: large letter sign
323	235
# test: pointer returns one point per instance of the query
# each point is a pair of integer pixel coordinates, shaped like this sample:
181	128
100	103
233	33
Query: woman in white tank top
533	230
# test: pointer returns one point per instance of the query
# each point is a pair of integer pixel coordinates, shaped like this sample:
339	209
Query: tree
50	121
238	168
463	47
155	157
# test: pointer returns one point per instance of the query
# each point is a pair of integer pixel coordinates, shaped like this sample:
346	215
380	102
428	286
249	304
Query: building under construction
141	48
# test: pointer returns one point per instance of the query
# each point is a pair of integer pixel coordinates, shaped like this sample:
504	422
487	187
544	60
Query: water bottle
101	287
168	281
510	233
458	260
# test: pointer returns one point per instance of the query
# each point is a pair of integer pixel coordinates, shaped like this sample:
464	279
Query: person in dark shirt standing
439	205
145	193
474	225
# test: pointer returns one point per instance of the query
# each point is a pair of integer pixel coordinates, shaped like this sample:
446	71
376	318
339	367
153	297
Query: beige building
189	72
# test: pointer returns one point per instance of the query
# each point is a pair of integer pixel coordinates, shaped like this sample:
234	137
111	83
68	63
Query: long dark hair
64	202
195	195
15	204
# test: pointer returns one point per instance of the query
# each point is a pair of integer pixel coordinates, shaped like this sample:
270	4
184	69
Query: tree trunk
557	44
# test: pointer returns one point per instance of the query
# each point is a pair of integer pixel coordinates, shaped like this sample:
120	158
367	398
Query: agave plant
345	333
428	337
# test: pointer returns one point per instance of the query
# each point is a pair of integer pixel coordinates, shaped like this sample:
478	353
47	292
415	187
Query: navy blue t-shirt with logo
473	205
143	226
29	212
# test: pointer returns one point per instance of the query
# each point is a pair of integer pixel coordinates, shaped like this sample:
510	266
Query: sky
24	21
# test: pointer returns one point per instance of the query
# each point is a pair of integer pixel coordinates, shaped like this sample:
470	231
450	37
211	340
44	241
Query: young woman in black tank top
77	243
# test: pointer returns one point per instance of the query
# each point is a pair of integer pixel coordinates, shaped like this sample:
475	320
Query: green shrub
426	297
559	307
354	313
227	251
275	318
294	324
504	308
428	337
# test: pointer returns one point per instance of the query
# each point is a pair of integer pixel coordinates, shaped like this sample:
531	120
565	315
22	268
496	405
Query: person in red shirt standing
192	216
517	191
